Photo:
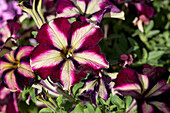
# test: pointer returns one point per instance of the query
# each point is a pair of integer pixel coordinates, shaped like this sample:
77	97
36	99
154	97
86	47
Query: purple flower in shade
63	47
94	10
145	12
15	69
8	10
8	100
8	31
127	59
98	83
148	85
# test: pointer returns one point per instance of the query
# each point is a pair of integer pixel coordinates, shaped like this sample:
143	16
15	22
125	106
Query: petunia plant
82	56
67	47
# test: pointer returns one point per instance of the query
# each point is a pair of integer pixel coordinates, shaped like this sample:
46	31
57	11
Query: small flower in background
8	10
63	47
145	12
8	100
8	36
99	84
148	85
15	69
94	10
126	59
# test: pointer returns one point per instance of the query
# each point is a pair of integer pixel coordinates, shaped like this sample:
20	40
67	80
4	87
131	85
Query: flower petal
24	77
46	57
96	5
102	90
12	104
55	33
85	35
144	81
127	81
4	66
67	74
98	61
23	52
146	108
158	89
65	8
10	80
10	57
161	106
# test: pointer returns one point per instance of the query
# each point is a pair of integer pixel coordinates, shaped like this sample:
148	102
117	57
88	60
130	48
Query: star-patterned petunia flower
94	10
15	69
148	85
63	47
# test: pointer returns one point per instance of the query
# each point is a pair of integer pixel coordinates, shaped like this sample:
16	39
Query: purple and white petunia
15	71
94	10
63	47
8	36
8	100
148	85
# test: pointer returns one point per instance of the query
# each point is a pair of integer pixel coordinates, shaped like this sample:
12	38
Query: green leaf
59	100
46	110
155	54
149	27
78	109
145	54
76	87
128	101
90	108
33	96
98	110
152	33
117	101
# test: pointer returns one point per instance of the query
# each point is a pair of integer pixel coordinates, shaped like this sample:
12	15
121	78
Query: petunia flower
148	85
99	83
8	36
8	100
94	10
15	69
63	47
8	11
126	59
145	12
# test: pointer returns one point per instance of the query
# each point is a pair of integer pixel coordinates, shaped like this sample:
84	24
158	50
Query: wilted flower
15	68
94	10
8	100
99	84
127	59
63	47
148	85
8	10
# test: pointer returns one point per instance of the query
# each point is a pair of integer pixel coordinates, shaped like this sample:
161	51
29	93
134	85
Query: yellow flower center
67	53
16	64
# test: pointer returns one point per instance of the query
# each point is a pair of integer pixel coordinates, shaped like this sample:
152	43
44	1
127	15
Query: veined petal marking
48	58
91	58
67	74
80	35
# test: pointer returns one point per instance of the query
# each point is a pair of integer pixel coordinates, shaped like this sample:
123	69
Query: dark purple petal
85	35
66	8
145	9
55	34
